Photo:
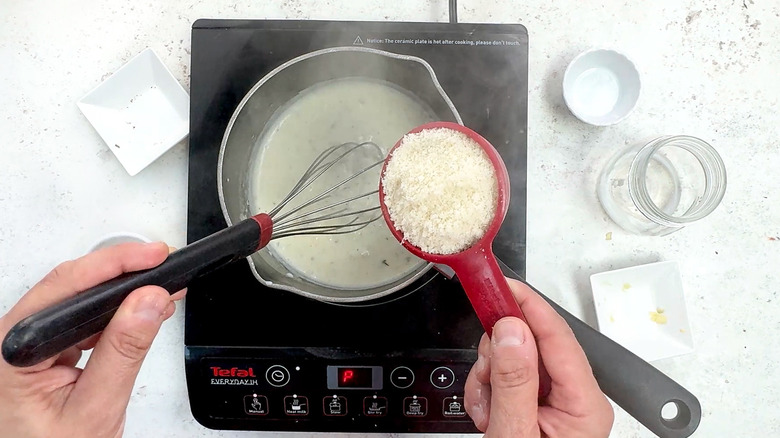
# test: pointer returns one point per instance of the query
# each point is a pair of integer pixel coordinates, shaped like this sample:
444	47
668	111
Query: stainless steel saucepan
255	113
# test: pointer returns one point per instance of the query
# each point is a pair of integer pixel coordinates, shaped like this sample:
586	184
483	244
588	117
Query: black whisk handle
54	329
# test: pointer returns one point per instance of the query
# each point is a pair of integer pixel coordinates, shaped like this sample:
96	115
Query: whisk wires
326	212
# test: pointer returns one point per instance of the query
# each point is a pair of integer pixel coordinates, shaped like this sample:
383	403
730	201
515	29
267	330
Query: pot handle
62	325
635	385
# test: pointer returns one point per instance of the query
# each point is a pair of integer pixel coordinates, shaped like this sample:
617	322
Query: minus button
402	377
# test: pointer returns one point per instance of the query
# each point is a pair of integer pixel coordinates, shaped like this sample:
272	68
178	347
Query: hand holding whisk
338	209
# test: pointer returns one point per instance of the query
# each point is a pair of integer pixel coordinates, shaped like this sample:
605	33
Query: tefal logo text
232	372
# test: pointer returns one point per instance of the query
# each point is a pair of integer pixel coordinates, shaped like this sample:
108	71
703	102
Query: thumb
514	381
105	386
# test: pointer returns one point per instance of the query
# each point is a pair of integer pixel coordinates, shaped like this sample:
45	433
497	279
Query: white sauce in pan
327	114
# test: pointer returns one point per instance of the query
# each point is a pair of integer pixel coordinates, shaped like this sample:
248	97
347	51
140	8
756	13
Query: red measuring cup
476	267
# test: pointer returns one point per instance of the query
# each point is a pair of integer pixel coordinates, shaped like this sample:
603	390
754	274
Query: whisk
341	207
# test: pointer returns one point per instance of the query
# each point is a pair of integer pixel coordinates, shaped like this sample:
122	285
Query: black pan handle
54	329
635	385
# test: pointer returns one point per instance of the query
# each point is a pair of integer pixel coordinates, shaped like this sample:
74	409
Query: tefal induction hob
264	359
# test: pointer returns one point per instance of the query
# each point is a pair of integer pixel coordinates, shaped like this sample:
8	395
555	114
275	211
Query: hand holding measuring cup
433	201
498	392
453	225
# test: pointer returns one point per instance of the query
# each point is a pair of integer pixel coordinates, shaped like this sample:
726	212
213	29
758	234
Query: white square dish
643	309
140	111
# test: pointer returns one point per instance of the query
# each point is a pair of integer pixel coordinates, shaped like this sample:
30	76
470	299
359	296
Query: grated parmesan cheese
440	190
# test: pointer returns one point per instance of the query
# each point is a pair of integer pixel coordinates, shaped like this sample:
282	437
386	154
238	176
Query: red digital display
355	377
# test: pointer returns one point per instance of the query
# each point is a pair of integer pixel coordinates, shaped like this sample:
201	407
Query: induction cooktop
263	359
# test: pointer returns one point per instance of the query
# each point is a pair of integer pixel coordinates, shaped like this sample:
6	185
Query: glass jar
659	187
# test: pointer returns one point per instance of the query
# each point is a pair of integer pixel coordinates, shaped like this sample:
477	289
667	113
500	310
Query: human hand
55	398
502	387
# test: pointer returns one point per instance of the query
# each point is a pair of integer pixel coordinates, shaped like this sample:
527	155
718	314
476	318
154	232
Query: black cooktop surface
483	69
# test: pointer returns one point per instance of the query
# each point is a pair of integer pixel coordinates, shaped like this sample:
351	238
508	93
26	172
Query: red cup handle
491	296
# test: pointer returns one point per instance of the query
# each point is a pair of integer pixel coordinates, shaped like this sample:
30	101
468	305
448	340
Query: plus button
442	378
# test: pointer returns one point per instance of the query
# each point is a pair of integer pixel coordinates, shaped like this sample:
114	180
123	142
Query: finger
477	401
514	380
482	366
74	276
561	353
69	357
179	295
118	355
89	343
169	311
46	385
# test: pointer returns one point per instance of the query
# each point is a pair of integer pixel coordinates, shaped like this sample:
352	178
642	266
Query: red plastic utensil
476	267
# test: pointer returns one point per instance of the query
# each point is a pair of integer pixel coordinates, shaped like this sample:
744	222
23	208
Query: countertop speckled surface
709	69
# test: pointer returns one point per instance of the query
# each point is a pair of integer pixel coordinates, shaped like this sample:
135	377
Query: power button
277	375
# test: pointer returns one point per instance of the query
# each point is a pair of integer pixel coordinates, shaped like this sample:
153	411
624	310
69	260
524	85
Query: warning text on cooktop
359	41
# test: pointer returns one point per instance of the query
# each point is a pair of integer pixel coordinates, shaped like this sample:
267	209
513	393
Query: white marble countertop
709	69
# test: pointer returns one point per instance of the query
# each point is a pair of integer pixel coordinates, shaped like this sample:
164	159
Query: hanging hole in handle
669	411
675	414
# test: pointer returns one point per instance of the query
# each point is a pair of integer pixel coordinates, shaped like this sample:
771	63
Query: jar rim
714	175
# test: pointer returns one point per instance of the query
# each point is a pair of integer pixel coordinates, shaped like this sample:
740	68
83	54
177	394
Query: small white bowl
642	308
140	111
601	87
117	238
